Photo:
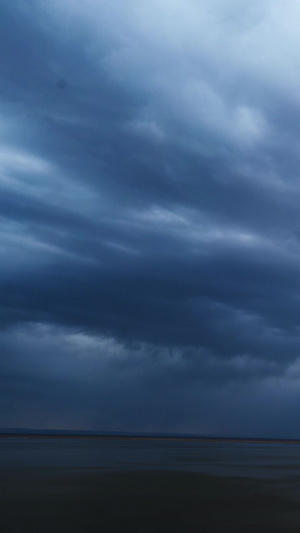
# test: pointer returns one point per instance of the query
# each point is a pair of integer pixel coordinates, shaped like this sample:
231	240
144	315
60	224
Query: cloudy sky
149	216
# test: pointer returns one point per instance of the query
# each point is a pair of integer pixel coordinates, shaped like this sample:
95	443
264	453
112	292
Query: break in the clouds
149	215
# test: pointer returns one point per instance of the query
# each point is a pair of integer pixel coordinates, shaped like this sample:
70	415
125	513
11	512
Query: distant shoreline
150	438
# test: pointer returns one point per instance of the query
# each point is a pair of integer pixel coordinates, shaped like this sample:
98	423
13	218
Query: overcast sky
150	216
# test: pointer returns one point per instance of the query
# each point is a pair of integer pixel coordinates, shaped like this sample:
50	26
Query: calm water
256	460
108	485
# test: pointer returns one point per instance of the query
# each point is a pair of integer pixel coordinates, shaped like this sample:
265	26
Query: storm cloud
149	216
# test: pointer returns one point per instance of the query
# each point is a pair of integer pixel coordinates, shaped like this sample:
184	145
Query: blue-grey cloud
149	214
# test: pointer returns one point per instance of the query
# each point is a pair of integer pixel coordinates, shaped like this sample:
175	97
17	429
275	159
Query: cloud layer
149	220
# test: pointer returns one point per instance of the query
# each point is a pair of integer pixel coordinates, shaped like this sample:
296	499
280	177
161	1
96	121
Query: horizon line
81	434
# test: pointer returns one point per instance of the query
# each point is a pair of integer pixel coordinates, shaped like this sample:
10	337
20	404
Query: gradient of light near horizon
150	216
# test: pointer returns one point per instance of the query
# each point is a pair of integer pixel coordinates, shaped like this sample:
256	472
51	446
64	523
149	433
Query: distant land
81	434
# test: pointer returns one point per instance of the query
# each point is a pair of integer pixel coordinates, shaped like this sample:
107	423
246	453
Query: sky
149	216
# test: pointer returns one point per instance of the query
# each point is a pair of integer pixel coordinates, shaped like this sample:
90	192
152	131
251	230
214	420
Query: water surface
147	485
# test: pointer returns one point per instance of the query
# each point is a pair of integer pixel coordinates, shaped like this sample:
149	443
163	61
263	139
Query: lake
74	485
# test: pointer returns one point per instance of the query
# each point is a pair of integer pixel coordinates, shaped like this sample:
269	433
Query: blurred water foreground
148	486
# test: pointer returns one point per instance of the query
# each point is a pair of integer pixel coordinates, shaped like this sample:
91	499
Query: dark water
143	485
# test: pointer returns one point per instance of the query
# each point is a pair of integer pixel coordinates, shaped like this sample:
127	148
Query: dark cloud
149	221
